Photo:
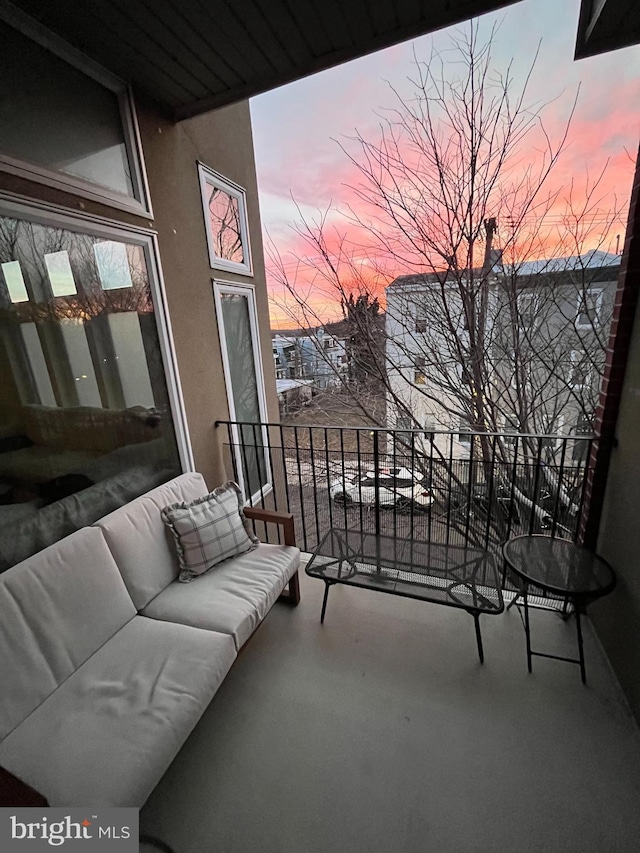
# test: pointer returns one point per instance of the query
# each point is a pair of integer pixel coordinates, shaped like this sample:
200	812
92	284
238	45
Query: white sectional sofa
108	662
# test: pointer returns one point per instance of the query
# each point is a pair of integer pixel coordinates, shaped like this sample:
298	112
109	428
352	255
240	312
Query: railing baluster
470	495
490	489
585	478
303	513
559	487
536	487
450	480
412	469
359	470
328	463
395	465
285	469
512	496
245	463
234	461
432	438
344	477
259	469
376	478
315	489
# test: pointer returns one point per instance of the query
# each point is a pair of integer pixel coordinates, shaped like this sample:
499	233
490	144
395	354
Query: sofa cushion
38	464
50	523
54	618
209	530
89	428
106	735
141	544
234	597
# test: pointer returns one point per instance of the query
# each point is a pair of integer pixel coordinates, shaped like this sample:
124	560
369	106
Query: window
511	428
238	327
521	372
464	434
527	310
580	370
89	402
225	213
66	122
419	376
583	431
421	319
589	309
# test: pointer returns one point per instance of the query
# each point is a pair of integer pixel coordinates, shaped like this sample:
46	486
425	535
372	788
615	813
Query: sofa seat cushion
58	607
234	596
141	544
106	736
39	464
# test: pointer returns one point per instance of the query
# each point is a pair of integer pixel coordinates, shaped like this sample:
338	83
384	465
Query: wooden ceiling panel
192	56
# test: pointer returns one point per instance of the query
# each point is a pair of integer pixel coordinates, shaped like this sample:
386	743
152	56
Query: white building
563	315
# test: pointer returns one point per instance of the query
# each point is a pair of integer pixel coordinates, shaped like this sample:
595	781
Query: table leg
324	601
583	672
527	630
476	619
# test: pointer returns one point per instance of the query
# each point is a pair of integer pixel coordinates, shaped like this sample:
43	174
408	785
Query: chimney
490	227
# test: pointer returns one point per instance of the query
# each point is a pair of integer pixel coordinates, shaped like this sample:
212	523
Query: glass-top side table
561	568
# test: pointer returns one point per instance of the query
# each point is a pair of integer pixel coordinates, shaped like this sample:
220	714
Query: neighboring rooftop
603	266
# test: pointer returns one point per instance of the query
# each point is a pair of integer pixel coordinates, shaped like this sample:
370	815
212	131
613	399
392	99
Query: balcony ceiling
192	56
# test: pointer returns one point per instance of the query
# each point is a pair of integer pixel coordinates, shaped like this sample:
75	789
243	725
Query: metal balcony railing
470	488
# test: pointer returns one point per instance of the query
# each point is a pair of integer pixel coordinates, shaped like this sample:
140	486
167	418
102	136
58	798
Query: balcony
381	731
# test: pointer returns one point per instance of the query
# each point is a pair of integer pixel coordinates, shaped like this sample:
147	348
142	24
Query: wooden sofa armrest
270	516
14	792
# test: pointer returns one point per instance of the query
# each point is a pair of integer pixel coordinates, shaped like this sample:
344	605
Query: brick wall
617	353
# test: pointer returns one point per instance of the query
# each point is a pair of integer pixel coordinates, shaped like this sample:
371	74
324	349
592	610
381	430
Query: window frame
221	286
465	432
19	207
419	370
534	300
576	358
140	204
594	321
209	177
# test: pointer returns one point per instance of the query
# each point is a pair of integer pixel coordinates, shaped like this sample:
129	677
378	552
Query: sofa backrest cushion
141	544
89	428
58	607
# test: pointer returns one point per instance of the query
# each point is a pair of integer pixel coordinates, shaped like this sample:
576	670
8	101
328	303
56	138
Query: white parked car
399	488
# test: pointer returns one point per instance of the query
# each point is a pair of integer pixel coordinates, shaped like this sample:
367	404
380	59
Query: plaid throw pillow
209	530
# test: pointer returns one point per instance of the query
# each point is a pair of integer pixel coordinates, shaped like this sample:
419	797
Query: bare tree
448	193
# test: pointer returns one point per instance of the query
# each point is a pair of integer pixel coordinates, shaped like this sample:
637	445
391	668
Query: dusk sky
297	127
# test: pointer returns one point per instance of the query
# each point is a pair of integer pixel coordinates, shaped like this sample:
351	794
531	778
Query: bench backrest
58	607
139	541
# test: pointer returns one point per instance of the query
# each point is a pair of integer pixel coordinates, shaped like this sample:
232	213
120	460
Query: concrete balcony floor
380	731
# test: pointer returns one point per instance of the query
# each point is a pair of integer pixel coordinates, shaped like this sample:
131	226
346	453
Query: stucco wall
617	617
223	141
